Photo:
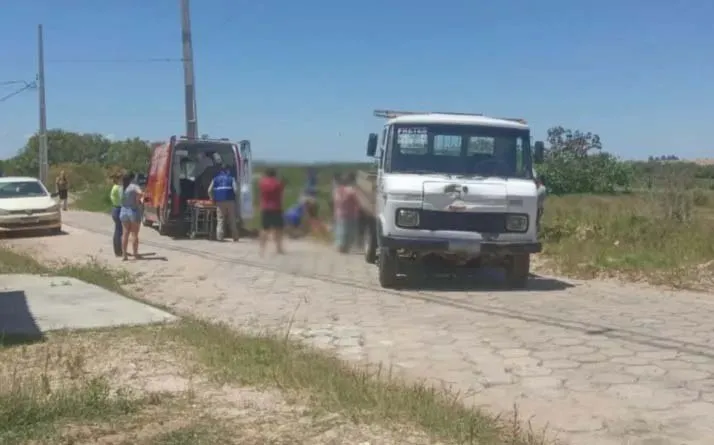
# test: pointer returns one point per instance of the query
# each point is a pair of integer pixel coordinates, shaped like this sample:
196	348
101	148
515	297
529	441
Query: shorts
272	219
128	215
62	194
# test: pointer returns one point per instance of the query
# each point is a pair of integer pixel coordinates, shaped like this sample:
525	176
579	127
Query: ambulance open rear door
246	180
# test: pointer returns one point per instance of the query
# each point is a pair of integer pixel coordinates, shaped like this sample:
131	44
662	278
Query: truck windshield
463	150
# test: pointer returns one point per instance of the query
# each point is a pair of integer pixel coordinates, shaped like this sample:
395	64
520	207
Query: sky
301	79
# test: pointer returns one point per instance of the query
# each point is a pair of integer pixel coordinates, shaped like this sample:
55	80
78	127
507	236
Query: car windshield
463	150
21	189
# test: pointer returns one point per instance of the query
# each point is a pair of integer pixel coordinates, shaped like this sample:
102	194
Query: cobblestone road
600	363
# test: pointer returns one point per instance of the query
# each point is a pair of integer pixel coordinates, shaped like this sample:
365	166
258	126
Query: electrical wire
13	82
127	61
18	91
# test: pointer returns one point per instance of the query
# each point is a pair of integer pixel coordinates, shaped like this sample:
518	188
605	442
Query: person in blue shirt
294	218
223	190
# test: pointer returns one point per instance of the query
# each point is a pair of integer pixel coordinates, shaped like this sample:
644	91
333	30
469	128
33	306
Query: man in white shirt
202	163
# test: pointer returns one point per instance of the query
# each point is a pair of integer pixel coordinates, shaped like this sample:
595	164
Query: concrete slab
33	304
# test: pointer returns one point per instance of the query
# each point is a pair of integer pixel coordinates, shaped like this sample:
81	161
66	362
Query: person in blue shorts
129	215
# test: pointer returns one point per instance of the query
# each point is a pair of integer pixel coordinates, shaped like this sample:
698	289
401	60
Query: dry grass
194	382
663	237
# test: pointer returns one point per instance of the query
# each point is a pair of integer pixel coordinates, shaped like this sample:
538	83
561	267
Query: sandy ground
134	361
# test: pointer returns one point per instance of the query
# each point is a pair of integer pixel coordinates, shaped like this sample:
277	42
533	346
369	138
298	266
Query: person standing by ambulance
115	198
223	191
271	209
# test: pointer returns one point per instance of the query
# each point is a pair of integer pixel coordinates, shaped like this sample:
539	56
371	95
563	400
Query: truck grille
463	221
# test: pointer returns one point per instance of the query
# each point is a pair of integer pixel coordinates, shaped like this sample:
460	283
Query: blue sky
300	79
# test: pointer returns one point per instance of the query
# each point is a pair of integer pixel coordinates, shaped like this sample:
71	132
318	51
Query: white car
26	205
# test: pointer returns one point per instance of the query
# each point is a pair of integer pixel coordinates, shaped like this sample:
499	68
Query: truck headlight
407	218
517	223
54	208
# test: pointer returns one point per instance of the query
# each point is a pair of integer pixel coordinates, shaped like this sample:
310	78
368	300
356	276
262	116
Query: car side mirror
54	195
539	152
372	145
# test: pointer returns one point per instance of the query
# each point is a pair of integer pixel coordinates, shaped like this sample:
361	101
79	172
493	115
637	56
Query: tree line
574	161
90	149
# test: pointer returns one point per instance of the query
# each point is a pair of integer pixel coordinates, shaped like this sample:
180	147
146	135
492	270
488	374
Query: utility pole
42	134
188	77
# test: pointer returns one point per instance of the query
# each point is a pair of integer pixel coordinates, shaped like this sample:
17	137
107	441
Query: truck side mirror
372	145
539	152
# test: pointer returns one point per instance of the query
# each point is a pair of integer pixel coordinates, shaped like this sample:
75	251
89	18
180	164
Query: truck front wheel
517	271
388	267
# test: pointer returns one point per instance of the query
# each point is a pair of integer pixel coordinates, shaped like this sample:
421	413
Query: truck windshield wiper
483	177
419	172
474	176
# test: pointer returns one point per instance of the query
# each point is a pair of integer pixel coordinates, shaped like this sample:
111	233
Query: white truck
451	190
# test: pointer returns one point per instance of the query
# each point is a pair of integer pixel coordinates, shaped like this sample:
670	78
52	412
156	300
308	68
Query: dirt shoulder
148	386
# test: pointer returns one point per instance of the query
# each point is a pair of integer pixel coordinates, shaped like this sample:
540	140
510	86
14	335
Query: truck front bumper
454	245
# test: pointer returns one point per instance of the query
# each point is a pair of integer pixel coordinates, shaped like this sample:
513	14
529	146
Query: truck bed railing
391	114
367	191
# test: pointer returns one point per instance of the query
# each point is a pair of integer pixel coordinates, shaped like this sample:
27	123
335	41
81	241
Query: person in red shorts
271	209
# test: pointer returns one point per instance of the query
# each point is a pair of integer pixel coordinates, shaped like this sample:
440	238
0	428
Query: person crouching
223	191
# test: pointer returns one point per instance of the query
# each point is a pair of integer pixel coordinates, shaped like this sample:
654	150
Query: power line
28	86
13	82
147	60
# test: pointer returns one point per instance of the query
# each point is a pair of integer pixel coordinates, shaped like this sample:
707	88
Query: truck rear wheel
388	267
370	243
518	270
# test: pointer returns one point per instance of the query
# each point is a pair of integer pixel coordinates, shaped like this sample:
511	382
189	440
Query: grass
663	237
93	272
206	433
228	357
94	199
334	386
33	410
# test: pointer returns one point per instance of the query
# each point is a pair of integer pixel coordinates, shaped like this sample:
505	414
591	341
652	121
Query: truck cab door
384	154
246	180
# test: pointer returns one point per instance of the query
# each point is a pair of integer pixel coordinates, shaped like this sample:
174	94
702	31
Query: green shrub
566	173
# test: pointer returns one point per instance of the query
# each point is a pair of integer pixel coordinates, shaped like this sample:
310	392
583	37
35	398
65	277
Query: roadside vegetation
193	382
639	221
604	217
